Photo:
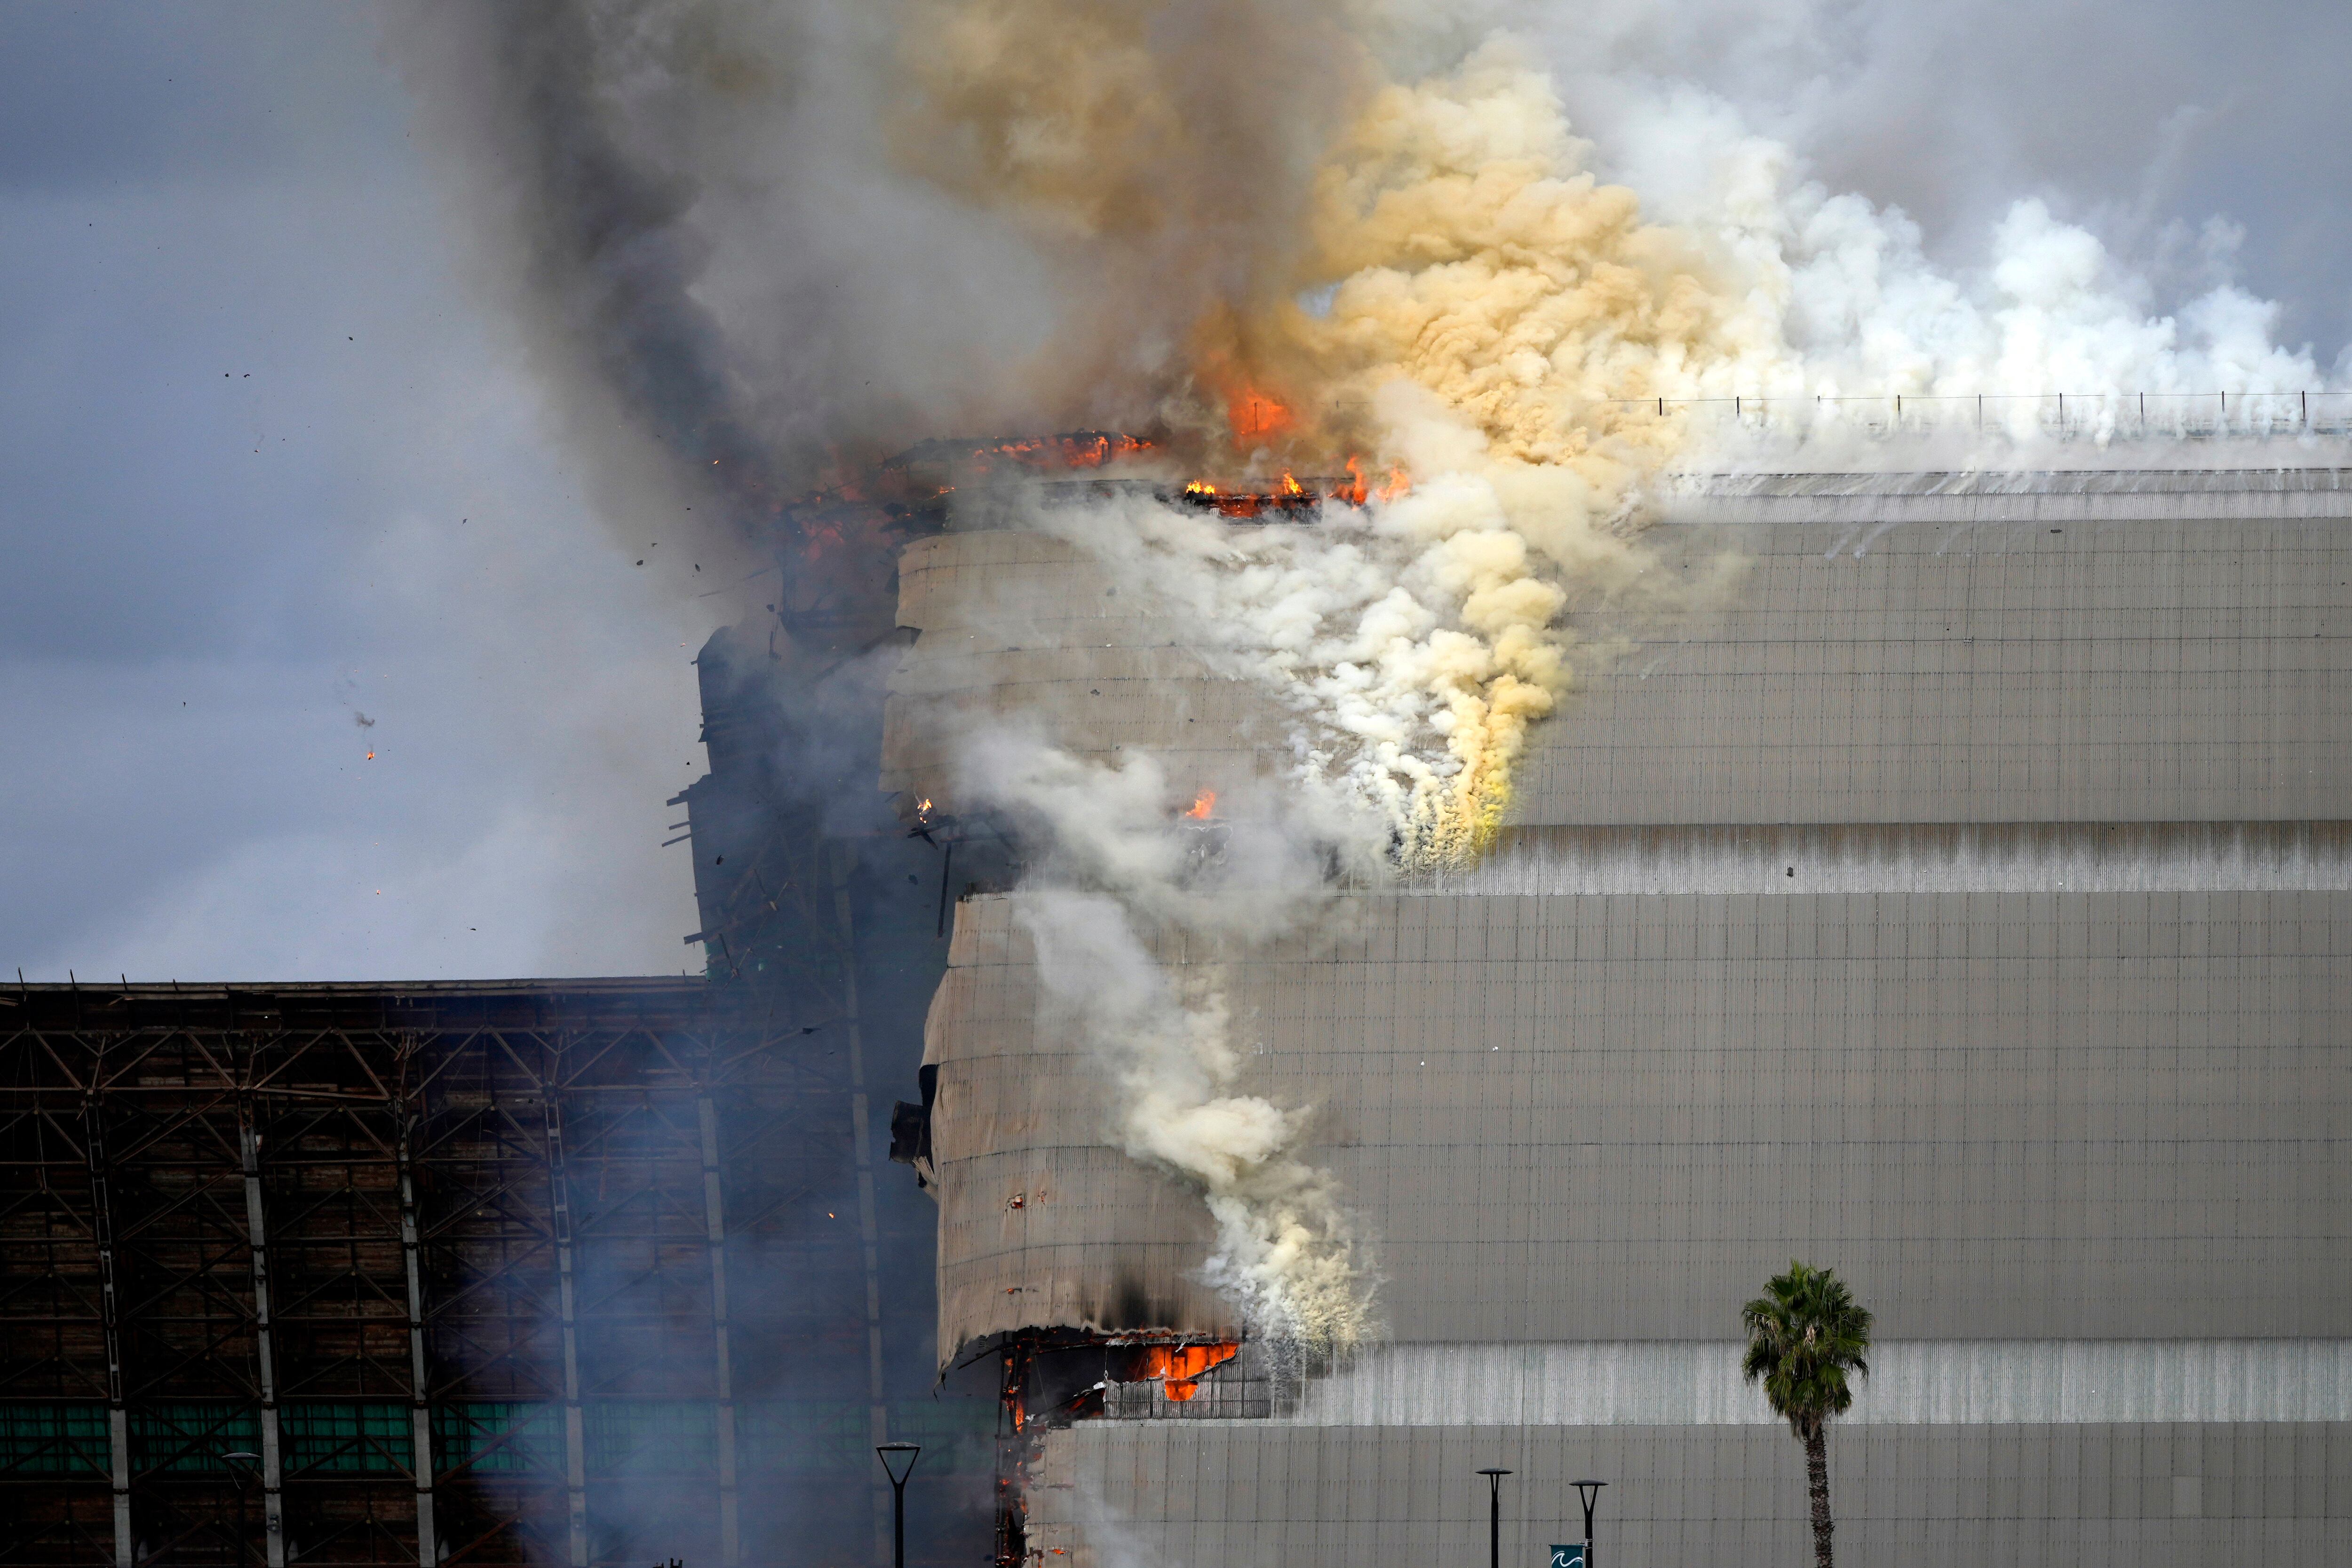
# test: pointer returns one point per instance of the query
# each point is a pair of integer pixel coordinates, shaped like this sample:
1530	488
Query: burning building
1957	898
1953	892
1384	960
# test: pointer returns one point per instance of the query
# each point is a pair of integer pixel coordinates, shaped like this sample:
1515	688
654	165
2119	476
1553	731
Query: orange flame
1084	449
1182	1367
1224	502
1202	804
370	756
1353	492
1288	496
1255	418
1400	484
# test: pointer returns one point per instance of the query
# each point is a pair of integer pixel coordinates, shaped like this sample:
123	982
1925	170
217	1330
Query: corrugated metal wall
2063	669
1696	1382
1961	901
2277	1494
1999	1115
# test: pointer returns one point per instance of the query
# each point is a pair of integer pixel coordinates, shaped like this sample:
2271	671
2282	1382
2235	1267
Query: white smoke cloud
1118	862
1492	266
1840	299
1412	642
1286	1249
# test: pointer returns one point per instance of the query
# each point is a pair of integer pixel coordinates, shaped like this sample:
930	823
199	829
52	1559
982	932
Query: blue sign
1570	1556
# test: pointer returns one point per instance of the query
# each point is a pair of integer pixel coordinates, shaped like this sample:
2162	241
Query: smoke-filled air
1351	254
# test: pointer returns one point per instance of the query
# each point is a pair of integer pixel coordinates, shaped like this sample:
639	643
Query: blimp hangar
1963	901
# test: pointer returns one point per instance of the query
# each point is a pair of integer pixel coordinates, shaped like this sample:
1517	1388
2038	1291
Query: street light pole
1589	1491
1493	1516
898	1463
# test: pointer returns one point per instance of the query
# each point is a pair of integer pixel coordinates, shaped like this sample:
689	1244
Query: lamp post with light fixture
1589	1491
898	1463
1493	1516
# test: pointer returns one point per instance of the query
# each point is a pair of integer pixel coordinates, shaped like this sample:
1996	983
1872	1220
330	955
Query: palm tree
1805	1333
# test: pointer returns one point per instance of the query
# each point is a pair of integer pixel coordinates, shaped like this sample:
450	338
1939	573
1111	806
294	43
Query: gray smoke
582	234
754	247
727	294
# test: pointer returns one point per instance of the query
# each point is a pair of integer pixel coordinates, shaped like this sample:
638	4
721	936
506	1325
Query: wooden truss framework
228	1213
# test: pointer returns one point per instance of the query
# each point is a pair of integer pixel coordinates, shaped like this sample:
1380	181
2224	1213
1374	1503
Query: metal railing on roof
2101	415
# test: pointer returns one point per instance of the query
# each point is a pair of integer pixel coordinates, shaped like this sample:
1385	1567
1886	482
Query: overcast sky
266	466
267	463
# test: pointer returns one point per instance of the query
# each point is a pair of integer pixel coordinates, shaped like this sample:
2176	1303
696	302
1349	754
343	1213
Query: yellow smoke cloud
1535	312
1162	155
1496	323
1476	257
1052	108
